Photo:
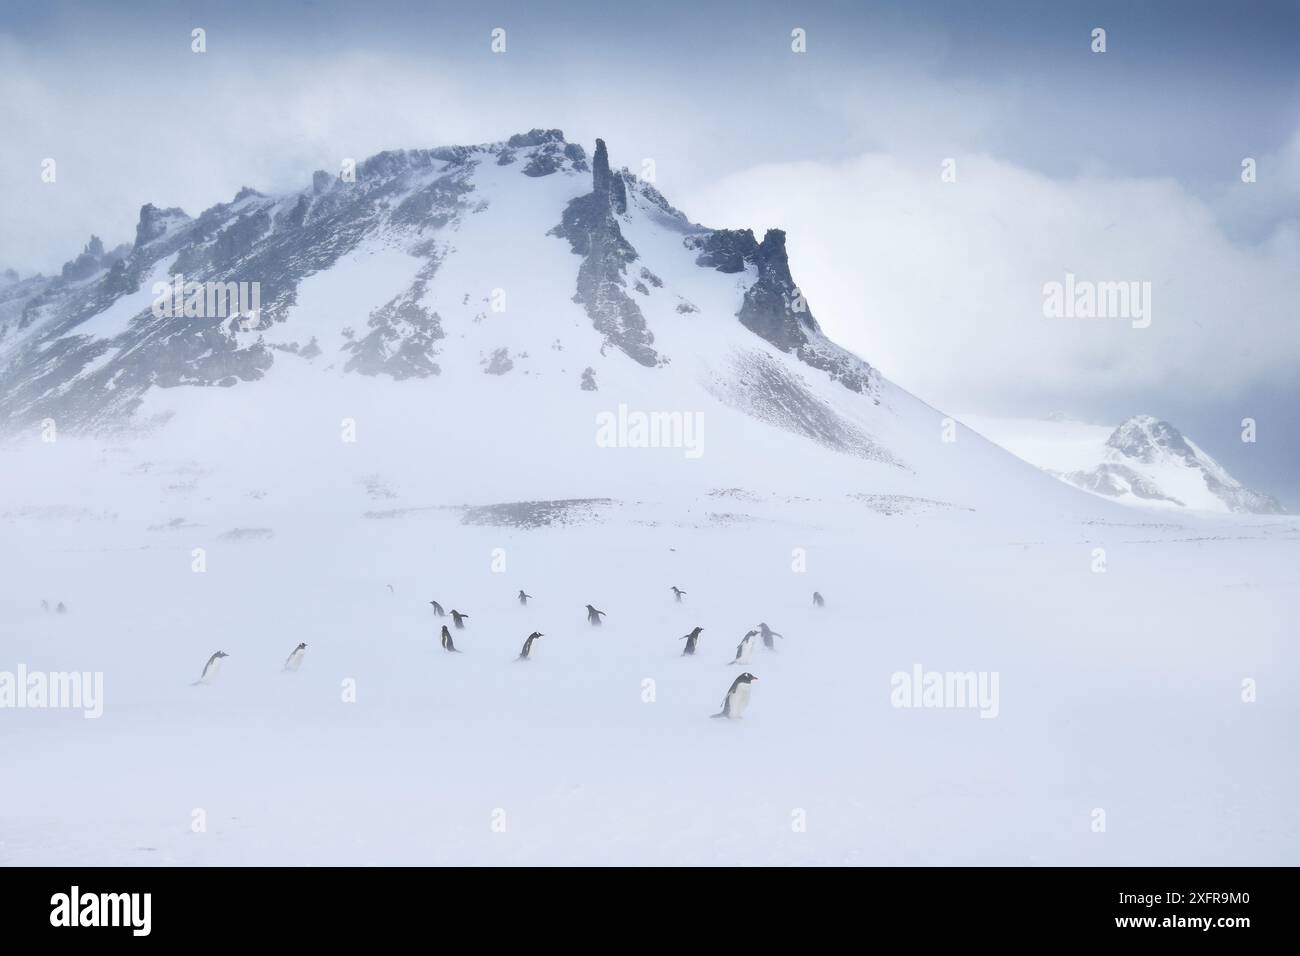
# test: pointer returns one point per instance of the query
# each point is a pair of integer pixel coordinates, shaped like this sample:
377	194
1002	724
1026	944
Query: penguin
818	600
390	589
768	634
594	616
437	609
523	598
691	640
528	645
210	669
294	660
61	609
448	644
677	593
737	699
745	648
45	606
458	619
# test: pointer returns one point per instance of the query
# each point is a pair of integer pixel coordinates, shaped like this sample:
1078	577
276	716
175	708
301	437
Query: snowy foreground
1118	691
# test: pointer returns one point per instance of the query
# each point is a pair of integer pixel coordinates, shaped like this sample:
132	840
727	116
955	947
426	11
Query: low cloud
940	284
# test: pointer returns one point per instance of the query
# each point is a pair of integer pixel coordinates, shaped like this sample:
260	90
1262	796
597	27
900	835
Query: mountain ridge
61	359
1143	461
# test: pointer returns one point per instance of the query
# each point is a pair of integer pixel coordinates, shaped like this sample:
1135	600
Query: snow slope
1117	690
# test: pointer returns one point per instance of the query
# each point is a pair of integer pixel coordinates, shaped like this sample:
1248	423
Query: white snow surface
1119	690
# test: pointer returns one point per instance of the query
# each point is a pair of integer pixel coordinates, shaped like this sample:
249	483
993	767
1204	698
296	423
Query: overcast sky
1119	166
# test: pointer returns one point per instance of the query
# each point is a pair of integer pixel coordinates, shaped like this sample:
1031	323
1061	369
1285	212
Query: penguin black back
768	634
448	644
528	644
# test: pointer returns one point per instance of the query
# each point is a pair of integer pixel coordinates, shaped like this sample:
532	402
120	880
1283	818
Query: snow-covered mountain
523	280
433	243
1144	461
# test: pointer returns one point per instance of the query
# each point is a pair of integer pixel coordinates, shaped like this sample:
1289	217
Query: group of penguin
733	704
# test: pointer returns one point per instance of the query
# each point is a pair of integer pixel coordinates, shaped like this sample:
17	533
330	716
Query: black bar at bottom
336	905
333	905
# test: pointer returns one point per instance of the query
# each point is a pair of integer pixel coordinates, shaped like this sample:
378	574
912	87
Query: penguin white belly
739	700
295	659
746	648
210	674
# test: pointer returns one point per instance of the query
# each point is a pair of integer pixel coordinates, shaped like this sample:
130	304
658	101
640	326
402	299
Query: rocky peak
535	137
154	222
590	225
607	183
91	260
1144	437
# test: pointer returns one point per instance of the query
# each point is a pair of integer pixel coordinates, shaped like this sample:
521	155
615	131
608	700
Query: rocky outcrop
773	307
402	337
155	223
590	225
1115	481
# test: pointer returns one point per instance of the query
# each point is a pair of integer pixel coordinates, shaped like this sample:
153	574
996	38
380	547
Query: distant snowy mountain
1144	461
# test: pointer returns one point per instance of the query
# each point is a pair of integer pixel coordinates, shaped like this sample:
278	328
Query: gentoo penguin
390	589
458	619
745	648
61	609
448	644
677	593
294	660
818	600
691	640
523	598
737	699
594	616
768	634
437	609
45	606
528	644
210	669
